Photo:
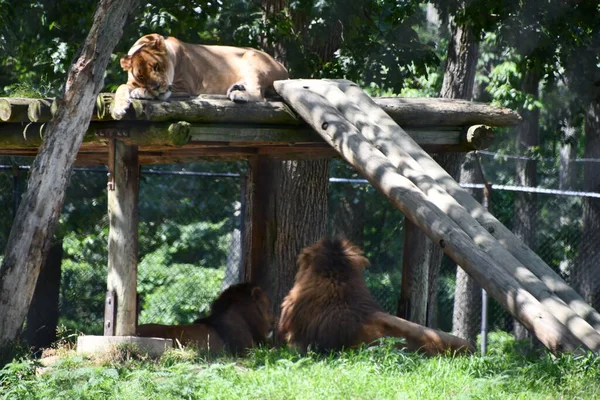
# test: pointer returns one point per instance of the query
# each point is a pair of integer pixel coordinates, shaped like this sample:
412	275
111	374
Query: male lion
157	67
240	318
330	308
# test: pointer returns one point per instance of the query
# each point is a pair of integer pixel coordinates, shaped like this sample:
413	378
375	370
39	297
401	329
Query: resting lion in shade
240	319
159	66
330	308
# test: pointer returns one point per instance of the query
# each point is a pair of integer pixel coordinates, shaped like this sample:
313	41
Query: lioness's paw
237	93
140	93
119	109
238	97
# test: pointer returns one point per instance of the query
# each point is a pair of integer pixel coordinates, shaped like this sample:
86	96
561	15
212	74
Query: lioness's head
149	66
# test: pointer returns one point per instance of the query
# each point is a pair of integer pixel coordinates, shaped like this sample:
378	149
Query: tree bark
30	237
286	210
42	317
348	217
459	80
296	212
233	264
568	153
524	226
299	209
467	294
587	269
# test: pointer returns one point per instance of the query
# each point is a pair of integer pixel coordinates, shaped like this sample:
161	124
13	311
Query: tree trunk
299	211
587	269
31	233
348	217
286	210
526	172
467	294
459	79
412	303
296	209
568	153
451	162
42	318
234	264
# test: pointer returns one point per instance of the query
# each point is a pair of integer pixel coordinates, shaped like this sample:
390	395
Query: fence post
487	194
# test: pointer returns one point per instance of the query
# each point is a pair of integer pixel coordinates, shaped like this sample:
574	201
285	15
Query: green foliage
385	287
176	293
379	44
83	288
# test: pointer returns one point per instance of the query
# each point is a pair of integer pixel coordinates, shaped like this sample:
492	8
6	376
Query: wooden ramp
367	138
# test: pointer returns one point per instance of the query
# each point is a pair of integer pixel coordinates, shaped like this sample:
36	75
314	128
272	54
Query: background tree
37	217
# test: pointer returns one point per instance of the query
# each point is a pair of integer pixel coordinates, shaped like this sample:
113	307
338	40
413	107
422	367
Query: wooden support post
412	304
439	227
255	227
123	234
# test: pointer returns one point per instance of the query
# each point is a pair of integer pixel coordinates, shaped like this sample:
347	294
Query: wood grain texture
441	229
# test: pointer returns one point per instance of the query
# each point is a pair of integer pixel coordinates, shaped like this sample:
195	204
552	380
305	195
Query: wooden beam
391	139
39	110
553	288
123	234
274	140
420	209
409	112
31	135
14	109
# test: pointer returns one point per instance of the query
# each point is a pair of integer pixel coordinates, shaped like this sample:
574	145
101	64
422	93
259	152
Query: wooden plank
519	251
219	109
391	145
418	207
21	135
14	109
39	110
123	235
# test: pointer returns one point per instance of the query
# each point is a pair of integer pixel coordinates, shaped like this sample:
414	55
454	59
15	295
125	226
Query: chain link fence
189	239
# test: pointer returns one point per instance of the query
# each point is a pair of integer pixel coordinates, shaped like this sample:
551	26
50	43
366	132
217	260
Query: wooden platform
214	128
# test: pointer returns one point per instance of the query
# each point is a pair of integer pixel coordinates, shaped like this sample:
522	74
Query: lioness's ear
126	63
159	42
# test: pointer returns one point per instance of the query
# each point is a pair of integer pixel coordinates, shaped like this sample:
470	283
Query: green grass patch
378	372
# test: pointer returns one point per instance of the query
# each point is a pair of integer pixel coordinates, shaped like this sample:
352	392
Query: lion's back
329	303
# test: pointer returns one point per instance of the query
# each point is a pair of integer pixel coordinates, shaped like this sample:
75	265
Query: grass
378	372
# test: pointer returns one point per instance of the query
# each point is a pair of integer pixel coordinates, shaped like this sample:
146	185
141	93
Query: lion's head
149	67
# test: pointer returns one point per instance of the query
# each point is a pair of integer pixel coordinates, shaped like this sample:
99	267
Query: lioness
158	67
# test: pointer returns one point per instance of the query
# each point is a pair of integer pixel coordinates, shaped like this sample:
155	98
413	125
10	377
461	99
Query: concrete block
91	344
